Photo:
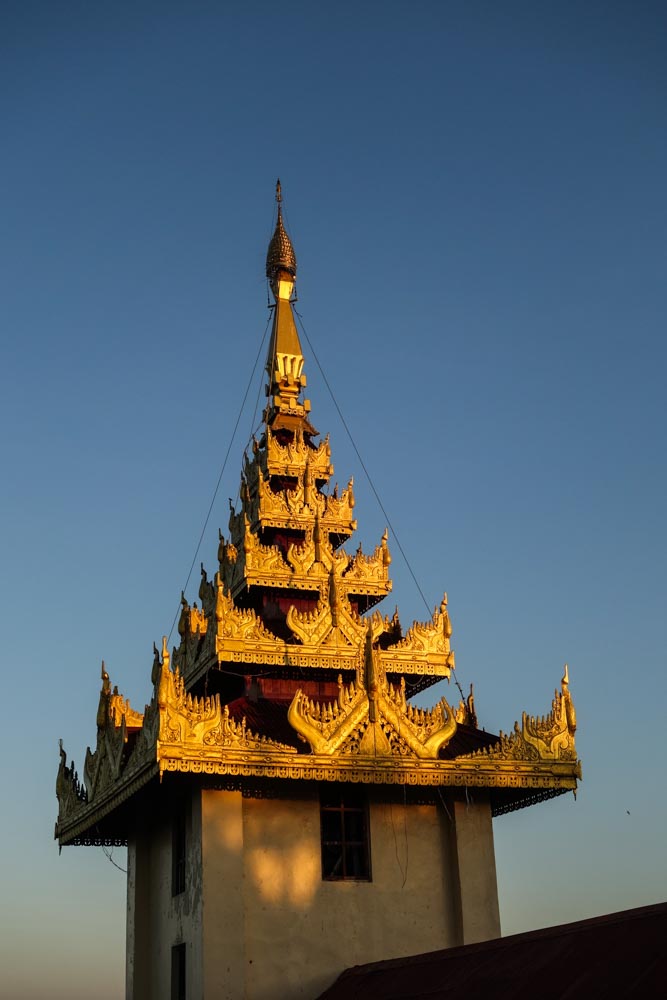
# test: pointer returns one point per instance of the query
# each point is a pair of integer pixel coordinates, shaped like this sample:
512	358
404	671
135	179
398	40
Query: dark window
178	845
344	833
178	972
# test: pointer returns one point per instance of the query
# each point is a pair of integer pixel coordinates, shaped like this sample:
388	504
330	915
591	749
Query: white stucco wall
156	920
259	922
300	932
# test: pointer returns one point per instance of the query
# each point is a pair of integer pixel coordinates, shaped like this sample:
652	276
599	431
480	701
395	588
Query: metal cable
253	427
367	473
363	465
222	470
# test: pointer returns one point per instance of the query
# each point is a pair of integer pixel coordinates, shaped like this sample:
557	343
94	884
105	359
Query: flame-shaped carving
553	735
236	623
326	727
370	574
548	738
191	725
192	621
374	710
290	459
429	637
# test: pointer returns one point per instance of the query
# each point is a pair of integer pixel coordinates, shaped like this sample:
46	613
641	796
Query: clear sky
476	193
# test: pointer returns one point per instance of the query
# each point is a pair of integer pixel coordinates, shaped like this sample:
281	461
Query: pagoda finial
284	363
280	256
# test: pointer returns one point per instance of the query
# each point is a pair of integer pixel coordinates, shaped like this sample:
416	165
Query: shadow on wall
281	931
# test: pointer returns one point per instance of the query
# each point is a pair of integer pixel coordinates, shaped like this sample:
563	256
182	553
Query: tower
287	808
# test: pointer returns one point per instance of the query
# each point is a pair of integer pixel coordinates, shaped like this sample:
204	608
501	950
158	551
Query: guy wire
362	463
368	477
253	427
222	470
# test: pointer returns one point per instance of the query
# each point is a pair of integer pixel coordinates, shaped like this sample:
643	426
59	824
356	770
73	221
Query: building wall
274	930
258	921
224	918
156	920
475	868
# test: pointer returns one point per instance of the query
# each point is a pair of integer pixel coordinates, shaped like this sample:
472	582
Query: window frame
349	806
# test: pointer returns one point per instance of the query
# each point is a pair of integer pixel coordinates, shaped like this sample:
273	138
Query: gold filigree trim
200	725
237	624
120	709
125	741
376	736
291	459
428	637
364	572
192	621
372	717
541	739
298	506
333	622
382	771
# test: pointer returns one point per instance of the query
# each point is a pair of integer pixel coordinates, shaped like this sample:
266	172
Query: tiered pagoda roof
282	671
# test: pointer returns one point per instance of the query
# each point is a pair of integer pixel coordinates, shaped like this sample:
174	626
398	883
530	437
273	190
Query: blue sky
476	195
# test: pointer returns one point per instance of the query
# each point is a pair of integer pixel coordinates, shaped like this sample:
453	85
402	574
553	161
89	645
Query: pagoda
288	810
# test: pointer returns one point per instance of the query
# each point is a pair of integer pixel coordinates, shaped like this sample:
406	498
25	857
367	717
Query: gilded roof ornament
280	256
372	717
284	364
546	738
288	601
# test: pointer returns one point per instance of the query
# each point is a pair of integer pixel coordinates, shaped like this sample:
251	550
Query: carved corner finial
552	736
570	713
165	678
466	713
155	672
386	556
166	658
183	619
203	585
105	696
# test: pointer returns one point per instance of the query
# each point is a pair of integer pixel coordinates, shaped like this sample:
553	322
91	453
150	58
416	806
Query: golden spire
284	363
